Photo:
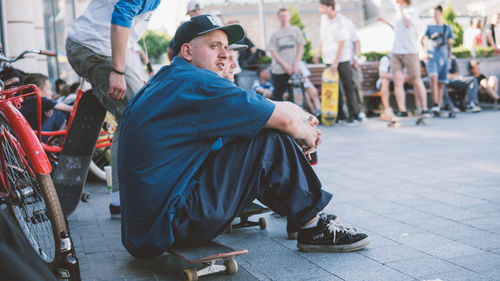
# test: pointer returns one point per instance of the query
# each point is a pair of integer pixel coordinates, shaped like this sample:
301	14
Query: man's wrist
117	71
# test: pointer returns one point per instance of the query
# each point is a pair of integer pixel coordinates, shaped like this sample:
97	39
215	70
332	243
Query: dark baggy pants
280	84
345	75
270	167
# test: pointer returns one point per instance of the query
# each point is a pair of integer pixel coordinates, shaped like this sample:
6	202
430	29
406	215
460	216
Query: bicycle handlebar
21	55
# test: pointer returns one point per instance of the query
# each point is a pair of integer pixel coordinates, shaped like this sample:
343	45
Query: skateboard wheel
262	223
231	266
85	197
190	274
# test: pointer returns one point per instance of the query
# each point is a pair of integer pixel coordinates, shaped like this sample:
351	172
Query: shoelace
334	227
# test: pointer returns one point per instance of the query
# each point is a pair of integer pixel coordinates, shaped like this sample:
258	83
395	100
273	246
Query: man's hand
288	69
333	67
117	86
296	69
316	59
312	135
355	63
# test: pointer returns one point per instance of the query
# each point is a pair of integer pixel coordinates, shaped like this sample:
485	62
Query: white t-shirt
92	29
332	32
353	34
405	38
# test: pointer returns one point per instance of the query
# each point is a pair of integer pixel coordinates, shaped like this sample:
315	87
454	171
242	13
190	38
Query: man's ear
186	51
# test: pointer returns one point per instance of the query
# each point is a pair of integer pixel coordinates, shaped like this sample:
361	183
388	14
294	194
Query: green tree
156	44
449	18
295	20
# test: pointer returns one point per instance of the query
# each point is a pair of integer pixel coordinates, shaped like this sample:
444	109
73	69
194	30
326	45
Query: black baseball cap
204	24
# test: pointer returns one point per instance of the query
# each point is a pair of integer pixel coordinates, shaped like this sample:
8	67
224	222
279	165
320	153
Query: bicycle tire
32	200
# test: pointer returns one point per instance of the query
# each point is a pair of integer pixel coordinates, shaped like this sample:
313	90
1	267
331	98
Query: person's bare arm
406	21
288	69
119	39
381	19
295	122
63	107
318	53
489	38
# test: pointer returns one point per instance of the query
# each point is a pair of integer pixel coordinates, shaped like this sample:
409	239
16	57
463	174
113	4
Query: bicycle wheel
32	199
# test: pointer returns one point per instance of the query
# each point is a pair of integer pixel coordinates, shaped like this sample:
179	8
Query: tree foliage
449	18
156	43
295	20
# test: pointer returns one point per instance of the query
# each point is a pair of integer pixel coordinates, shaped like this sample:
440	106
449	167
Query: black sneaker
115	211
292	230
330	236
402	114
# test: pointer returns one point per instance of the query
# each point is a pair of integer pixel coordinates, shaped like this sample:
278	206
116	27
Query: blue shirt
126	10
266	86
438	36
167	131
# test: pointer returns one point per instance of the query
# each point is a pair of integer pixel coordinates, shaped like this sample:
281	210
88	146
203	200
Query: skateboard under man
444	114
211	257
329	97
74	160
250	210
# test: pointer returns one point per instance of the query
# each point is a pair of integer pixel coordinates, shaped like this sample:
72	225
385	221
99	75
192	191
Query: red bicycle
26	186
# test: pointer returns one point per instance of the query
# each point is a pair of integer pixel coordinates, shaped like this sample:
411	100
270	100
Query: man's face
475	70
194	13
323	9
437	15
265	74
209	51
284	17
46	90
230	66
497	19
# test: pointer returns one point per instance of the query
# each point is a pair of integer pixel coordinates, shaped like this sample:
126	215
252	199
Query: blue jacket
167	131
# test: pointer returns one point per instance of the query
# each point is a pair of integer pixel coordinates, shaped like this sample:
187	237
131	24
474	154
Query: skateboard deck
329	97
396	122
74	160
209	257
250	210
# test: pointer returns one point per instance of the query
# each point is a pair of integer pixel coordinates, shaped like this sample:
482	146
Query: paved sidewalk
428	196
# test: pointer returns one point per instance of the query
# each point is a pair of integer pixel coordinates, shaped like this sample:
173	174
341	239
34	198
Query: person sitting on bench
209	148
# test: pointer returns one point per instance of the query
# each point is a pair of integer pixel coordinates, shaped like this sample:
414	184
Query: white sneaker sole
334	248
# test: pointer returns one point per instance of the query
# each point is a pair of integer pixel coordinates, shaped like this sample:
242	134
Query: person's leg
471	87
345	73
280	83
433	79
385	92
270	167
96	69
357	78
493	85
399	79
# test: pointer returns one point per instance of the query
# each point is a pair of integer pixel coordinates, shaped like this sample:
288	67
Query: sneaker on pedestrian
330	236
115	211
435	108
292	230
426	113
402	114
472	107
387	114
362	117
452	108
351	121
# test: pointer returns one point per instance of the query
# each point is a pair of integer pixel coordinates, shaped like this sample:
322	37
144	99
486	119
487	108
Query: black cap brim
234	32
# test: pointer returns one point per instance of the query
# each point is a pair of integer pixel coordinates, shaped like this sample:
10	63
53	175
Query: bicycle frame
29	141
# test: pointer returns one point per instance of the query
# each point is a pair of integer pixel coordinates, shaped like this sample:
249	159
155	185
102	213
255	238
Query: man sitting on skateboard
199	149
